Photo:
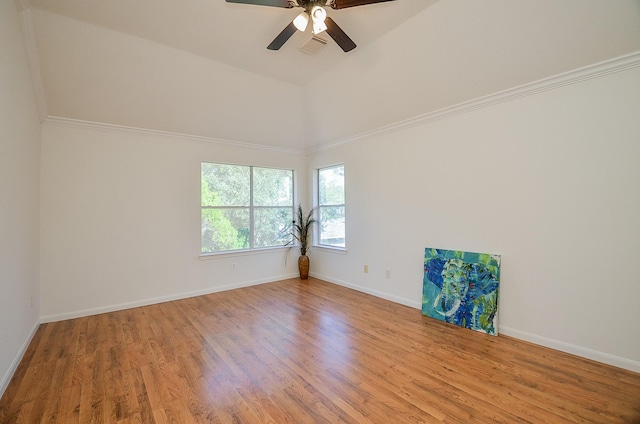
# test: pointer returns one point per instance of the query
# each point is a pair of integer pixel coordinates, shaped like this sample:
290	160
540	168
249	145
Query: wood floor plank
301	352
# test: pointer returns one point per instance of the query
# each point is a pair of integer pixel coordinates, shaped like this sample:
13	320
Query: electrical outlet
366	269
233	266
388	273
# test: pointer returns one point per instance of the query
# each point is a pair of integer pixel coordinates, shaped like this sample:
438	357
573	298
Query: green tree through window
245	207
331	206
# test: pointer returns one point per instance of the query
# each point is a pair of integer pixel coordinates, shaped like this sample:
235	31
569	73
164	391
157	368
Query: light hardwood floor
301	352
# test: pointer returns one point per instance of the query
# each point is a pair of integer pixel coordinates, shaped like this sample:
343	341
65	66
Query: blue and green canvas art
462	288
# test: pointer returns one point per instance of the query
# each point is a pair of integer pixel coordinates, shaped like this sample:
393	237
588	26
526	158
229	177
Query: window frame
251	208
318	205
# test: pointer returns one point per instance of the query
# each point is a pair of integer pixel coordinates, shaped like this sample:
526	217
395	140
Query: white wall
100	75
19	196
550	181
456	50
121	219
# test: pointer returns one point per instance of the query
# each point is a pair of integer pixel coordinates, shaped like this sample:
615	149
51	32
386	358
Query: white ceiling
236	34
201	67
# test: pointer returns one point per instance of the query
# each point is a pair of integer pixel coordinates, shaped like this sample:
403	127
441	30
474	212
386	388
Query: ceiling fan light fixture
318	14
301	21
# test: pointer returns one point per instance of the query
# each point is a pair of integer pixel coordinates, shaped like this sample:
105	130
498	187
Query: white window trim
251	250
316	197
243	252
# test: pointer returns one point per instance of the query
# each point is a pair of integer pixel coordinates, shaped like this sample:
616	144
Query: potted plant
301	230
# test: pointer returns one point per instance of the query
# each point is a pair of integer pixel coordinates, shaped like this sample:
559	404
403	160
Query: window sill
330	249
236	253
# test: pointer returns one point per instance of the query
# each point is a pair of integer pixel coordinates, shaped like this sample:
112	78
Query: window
331	229
245	207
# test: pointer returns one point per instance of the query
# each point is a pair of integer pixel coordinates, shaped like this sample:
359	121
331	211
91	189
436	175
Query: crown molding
98	126
568	78
33	60
597	70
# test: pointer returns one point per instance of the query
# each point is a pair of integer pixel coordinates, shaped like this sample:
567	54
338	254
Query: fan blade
341	4
282	38
288	4
339	35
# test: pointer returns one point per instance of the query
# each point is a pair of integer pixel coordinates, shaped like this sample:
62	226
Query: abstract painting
462	288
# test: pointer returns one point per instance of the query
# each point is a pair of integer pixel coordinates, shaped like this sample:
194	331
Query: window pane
226	185
272	187
245	207
331	206
271	226
331	226
225	229
331	185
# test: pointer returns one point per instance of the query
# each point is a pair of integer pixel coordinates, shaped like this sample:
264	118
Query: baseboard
376	293
583	352
6	379
156	300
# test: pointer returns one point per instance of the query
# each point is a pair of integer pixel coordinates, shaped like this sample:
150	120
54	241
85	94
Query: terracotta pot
303	267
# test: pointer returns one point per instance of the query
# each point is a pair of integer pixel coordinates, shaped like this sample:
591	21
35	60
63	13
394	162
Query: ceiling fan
314	10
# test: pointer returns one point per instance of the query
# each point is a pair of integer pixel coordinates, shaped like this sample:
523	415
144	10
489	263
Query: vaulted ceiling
201	67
